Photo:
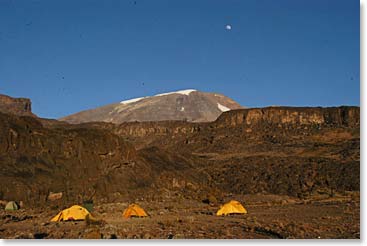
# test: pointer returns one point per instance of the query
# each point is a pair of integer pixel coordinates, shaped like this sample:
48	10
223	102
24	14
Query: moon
228	27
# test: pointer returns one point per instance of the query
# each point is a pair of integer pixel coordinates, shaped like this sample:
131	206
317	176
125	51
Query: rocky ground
269	217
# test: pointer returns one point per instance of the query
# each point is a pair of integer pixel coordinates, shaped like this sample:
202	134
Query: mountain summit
190	105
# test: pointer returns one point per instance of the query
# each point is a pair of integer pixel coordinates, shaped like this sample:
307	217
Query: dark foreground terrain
269	217
296	170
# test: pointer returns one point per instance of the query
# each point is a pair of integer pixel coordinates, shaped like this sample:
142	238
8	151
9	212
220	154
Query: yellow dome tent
232	207
73	213
134	210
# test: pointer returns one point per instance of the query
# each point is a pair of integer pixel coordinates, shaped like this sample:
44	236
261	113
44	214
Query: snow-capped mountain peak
190	105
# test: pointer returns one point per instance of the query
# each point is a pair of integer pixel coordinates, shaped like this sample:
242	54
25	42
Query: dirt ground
268	217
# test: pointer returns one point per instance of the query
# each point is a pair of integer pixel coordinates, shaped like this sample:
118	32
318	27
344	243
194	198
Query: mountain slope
190	105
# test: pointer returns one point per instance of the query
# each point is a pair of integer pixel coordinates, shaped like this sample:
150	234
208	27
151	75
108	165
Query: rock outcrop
17	106
338	116
249	118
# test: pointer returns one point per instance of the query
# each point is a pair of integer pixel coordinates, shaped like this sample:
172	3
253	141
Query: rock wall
275	116
80	162
279	150
337	116
17	106
159	128
35	161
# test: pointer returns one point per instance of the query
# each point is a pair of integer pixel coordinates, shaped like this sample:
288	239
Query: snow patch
223	108
132	100
183	92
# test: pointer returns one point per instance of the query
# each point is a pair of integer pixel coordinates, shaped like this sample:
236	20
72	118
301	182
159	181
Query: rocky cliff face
81	163
282	150
279	150
338	116
17	106
249	118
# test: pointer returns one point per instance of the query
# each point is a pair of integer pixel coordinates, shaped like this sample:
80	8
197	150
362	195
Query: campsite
267	217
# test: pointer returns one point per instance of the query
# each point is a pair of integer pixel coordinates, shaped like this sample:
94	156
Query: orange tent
134	210
73	213
232	207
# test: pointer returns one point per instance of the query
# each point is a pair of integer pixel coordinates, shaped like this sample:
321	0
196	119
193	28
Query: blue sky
71	55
